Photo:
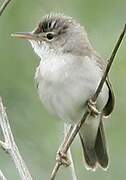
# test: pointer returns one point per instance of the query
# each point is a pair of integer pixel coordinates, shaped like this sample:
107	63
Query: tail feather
96	154
100	147
89	154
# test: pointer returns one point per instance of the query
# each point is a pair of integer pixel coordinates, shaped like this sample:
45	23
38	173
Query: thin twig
110	61
61	147
72	167
10	146
2	177
4	5
88	113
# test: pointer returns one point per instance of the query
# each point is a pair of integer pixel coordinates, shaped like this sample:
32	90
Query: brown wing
111	100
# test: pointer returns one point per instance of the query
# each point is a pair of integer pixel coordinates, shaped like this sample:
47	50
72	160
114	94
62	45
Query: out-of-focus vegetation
37	133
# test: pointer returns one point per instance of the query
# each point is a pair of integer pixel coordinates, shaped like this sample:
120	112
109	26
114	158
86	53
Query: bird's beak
25	35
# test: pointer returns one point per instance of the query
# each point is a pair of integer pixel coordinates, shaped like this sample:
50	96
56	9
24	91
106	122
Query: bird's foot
92	108
62	159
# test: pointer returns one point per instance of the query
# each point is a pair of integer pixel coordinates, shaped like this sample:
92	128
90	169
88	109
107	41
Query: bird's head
58	34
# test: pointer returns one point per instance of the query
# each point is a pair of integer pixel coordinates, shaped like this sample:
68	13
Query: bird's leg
61	157
92	107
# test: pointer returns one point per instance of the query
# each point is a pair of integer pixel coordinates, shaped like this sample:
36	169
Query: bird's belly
61	101
65	92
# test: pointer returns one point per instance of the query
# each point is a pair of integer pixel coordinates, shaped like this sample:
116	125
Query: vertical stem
10	146
2	177
72	167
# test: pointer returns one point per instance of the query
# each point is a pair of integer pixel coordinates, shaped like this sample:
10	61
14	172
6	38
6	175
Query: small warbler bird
67	77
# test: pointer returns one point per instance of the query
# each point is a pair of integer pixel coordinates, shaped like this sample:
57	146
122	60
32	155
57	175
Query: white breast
66	83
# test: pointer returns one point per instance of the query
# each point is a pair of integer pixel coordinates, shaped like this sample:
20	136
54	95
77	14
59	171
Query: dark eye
50	36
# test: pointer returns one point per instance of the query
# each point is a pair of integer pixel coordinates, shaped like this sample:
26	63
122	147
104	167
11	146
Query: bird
67	76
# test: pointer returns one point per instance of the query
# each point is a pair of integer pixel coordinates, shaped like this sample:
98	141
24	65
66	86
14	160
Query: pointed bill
25	35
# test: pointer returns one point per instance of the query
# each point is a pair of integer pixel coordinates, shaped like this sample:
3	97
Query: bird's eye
50	36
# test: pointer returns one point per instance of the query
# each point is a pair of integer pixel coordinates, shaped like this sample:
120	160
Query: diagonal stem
88	113
4	5
110	61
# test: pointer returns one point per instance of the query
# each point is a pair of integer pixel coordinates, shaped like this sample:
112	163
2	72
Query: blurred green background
37	133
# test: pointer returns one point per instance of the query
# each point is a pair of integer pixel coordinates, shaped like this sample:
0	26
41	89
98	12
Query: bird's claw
92	108
62	159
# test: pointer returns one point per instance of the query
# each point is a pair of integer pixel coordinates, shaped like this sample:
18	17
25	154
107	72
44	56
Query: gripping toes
62	159
92	107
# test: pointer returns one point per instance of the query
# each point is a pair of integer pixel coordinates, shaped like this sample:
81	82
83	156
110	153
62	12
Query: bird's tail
94	145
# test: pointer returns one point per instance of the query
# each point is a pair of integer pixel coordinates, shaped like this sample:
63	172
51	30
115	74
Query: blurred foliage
37	133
